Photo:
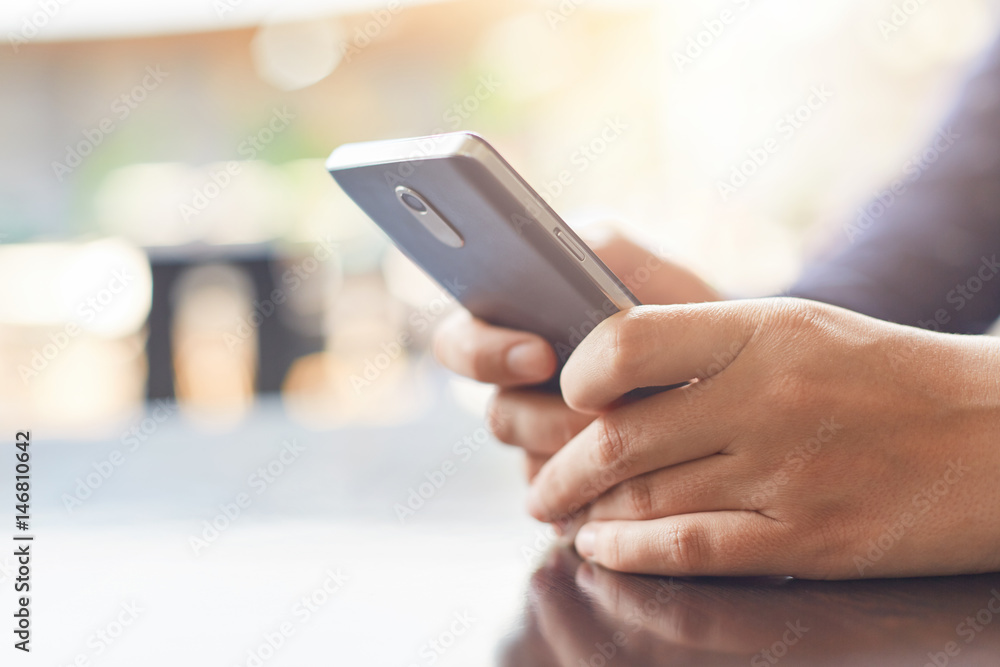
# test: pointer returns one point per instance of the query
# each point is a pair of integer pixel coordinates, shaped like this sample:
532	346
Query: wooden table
315	567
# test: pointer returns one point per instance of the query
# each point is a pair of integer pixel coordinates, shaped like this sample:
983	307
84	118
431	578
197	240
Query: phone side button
573	250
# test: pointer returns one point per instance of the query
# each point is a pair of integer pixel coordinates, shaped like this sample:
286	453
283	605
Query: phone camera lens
413	202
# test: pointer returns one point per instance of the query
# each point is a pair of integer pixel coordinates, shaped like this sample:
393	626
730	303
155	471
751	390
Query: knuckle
802	321
639	498
613	550
802	331
627	335
686	549
613	446
794	313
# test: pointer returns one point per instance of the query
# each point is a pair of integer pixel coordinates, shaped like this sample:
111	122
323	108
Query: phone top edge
471	145
367	153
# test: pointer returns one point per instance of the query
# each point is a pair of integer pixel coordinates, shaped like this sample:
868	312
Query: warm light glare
296	55
103	287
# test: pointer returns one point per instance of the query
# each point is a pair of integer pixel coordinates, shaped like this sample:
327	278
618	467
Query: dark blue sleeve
925	251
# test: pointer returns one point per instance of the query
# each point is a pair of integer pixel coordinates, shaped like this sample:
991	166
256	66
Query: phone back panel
510	272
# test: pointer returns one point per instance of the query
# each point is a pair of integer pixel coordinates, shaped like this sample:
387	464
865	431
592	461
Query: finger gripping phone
461	213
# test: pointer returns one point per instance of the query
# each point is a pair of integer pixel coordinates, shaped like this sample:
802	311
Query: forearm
926	252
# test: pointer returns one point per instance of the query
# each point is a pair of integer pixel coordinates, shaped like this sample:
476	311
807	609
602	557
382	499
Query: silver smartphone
461	213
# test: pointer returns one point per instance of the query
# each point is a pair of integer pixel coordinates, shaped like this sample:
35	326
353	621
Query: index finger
659	432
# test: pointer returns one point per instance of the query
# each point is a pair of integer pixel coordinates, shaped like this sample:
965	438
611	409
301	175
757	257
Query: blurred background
167	229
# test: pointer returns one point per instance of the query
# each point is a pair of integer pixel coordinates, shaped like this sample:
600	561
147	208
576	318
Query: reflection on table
585	616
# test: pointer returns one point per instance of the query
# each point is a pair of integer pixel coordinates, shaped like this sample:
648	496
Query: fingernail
585	541
526	360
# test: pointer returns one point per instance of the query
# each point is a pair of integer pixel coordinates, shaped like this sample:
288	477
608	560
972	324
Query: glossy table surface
311	565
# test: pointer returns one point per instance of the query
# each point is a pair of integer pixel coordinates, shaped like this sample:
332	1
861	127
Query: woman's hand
541	423
815	442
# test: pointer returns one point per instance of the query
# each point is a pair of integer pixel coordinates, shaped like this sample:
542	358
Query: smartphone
457	209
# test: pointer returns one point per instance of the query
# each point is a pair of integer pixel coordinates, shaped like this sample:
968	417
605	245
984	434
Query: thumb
655	346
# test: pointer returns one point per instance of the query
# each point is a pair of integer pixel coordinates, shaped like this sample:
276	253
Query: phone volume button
573	250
